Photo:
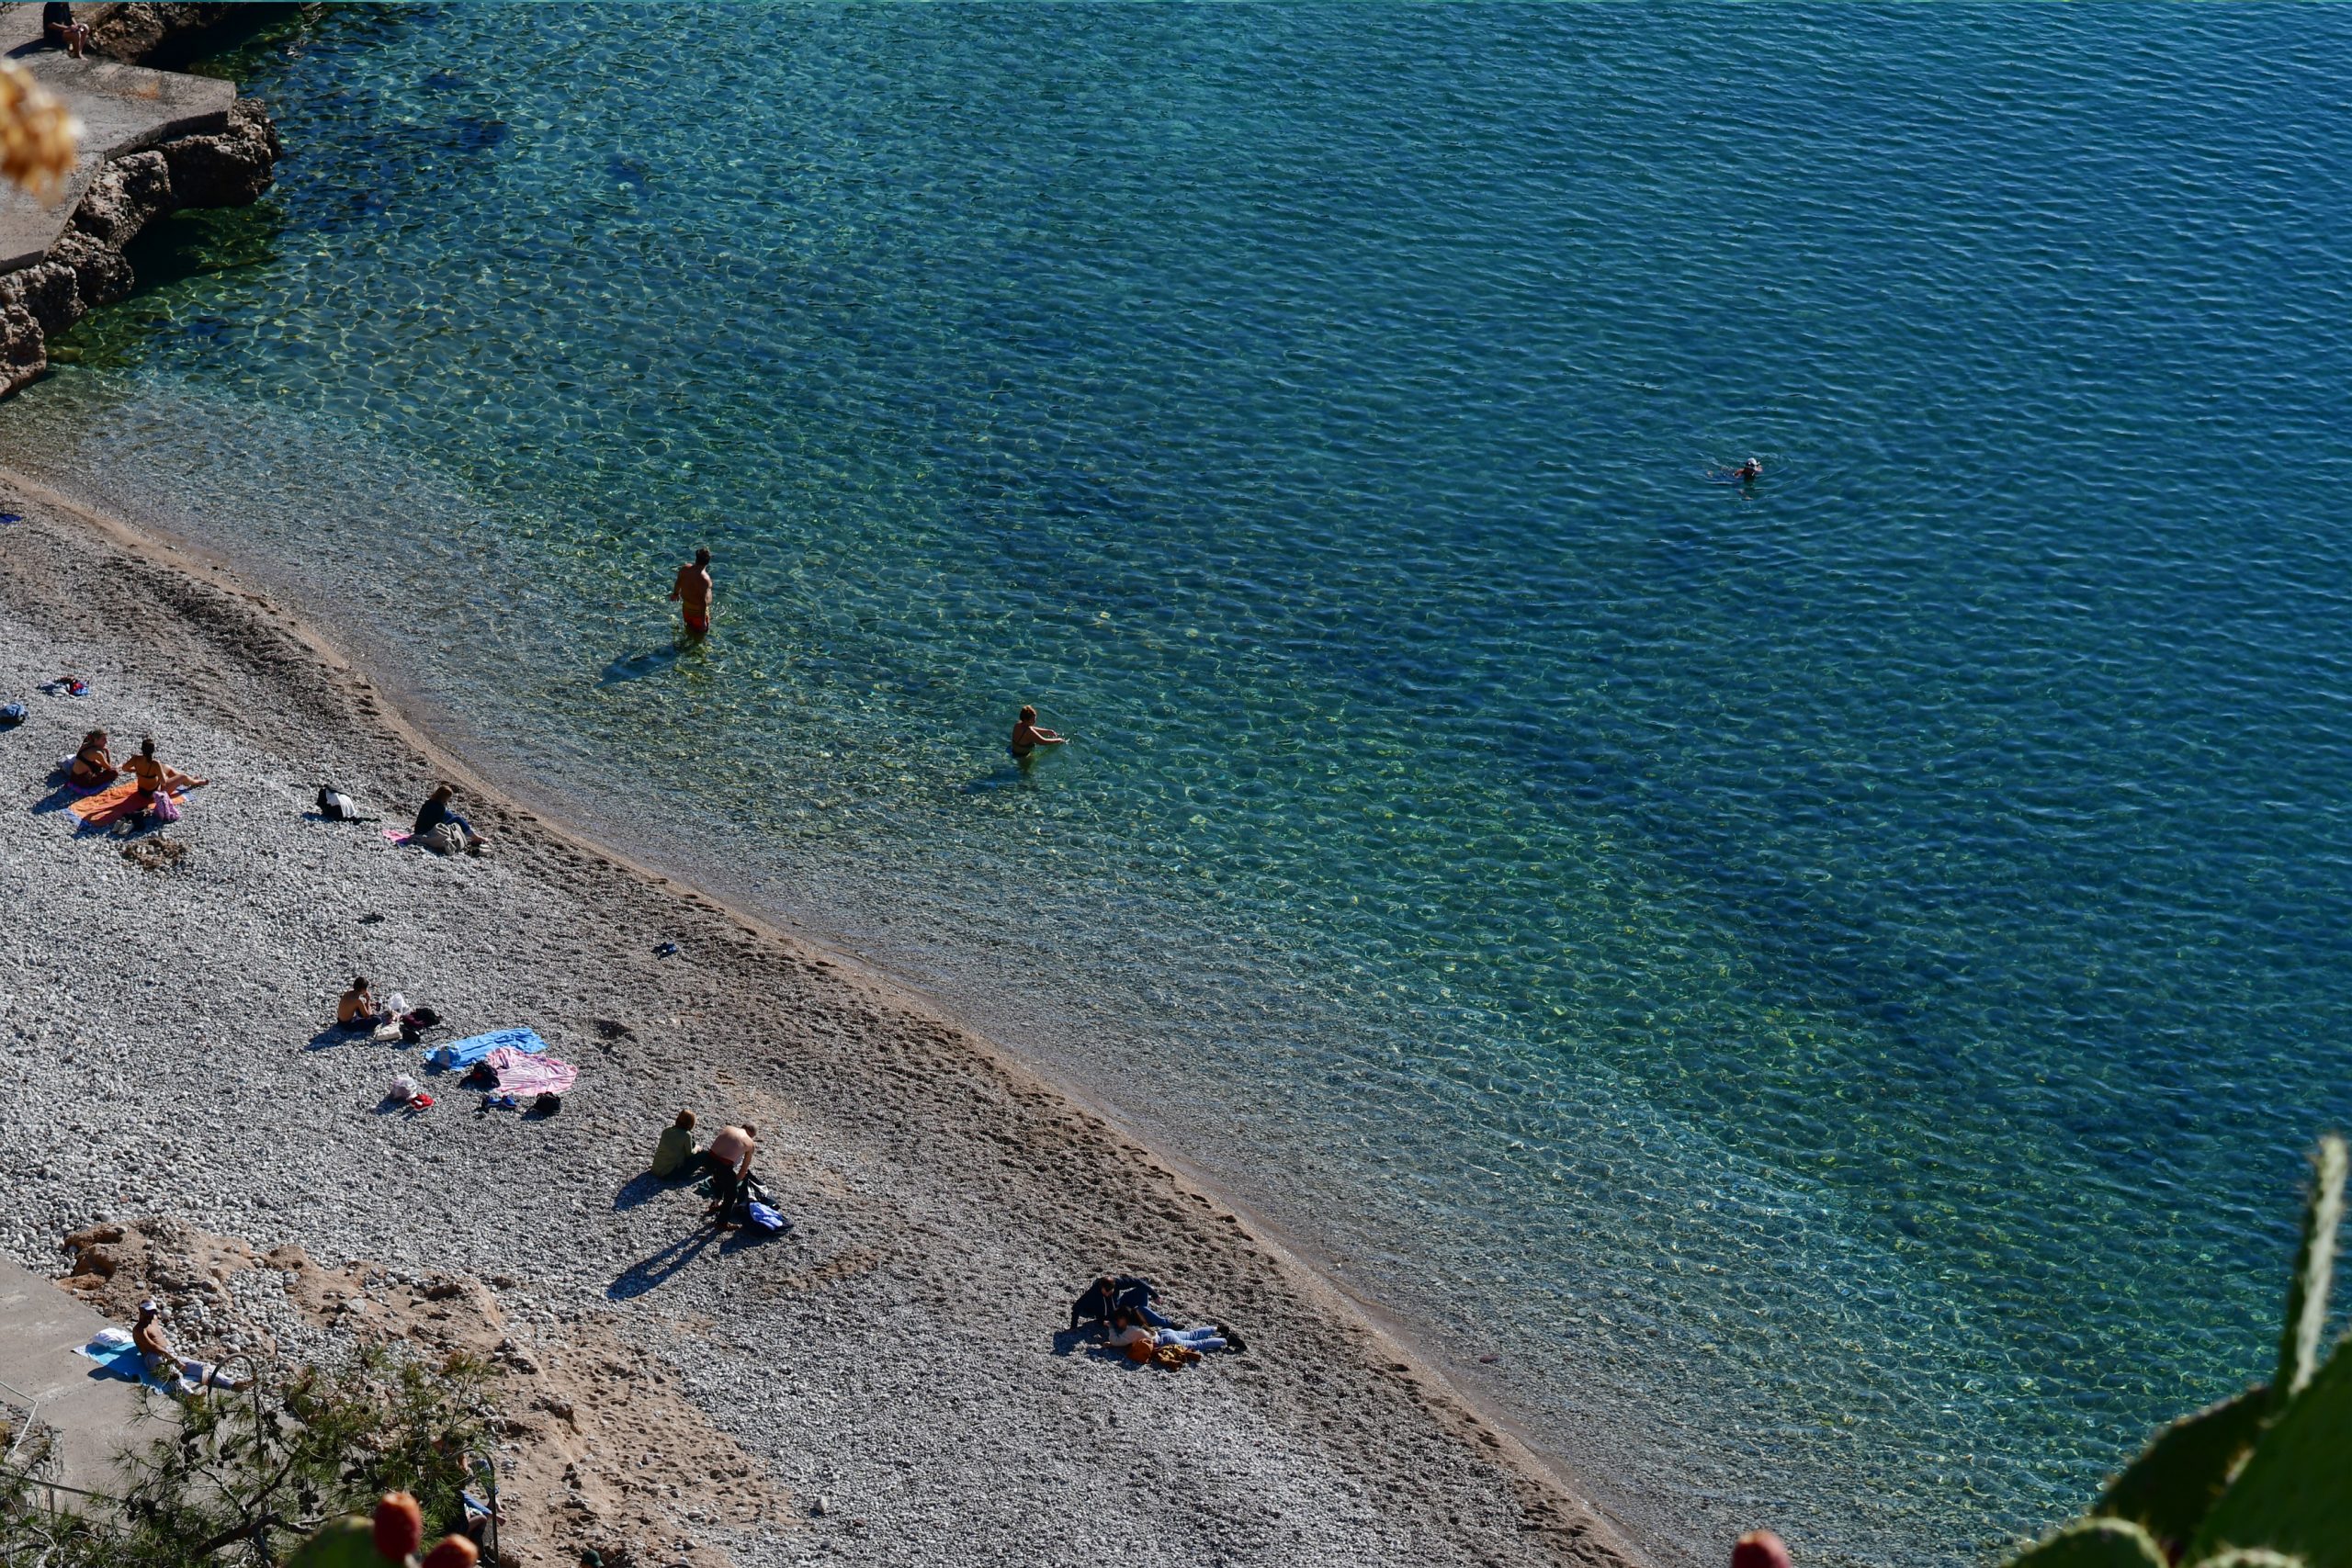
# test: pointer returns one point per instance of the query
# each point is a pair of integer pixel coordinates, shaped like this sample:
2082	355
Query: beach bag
165	808
760	1217
14	713
442	839
403	1088
547	1105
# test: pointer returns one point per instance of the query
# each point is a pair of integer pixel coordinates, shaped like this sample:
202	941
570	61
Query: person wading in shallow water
692	594
1027	737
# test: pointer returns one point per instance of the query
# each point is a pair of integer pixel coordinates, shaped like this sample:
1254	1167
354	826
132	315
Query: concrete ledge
123	110
39	1327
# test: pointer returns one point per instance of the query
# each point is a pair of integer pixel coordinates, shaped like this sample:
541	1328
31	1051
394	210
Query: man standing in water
692	594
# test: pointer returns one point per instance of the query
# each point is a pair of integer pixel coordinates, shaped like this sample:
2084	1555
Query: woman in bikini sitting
152	776
92	768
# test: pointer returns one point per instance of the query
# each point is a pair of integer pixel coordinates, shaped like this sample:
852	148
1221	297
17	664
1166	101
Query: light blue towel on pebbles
466	1053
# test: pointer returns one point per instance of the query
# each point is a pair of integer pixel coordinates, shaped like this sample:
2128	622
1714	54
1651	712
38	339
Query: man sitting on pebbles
355	1010
184	1377
1113	1293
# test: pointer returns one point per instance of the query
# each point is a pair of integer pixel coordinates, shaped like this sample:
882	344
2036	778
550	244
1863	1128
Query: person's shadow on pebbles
642	1188
650	1273
57	799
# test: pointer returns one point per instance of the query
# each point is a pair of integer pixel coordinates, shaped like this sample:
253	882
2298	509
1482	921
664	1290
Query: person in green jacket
676	1147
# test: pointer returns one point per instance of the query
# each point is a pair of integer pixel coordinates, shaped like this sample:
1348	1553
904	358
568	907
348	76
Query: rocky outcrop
87	268
165	34
230	169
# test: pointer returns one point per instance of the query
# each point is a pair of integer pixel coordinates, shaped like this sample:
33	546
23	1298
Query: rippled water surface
1828	983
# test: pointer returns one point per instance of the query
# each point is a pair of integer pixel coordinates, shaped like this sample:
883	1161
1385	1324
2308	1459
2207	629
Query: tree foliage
244	1479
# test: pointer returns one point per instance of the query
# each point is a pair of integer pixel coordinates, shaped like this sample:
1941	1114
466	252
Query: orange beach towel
110	804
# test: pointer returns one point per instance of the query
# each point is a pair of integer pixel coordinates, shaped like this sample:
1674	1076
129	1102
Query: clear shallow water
1831	986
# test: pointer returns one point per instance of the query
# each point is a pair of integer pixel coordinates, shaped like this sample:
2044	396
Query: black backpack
547	1104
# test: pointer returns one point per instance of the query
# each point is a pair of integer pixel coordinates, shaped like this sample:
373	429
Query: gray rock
230	168
49	291
100	273
24	351
124	197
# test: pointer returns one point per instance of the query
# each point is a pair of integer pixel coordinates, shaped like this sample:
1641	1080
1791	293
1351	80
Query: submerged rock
85	266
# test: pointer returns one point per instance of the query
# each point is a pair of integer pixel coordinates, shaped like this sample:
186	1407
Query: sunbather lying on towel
92	768
165	1365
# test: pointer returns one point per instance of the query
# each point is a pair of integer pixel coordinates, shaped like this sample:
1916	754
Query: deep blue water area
1829	981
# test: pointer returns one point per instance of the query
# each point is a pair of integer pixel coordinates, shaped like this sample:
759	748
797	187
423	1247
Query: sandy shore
889	1371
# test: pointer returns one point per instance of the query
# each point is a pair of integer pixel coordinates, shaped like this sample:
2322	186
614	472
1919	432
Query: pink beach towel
524	1075
394	836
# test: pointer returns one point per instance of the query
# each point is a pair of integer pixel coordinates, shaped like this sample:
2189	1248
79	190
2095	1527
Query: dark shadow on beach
644	1187
744	1237
649	1273
57	799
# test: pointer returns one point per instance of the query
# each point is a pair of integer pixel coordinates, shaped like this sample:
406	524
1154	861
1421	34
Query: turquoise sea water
1828	984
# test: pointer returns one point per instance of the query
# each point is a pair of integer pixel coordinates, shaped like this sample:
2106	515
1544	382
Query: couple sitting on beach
736	1197
92	770
1119	1306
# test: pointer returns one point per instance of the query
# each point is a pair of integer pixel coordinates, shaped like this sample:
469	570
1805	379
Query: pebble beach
891	1365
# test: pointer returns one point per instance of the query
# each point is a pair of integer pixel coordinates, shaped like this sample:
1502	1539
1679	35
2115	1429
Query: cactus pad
2093	1543
2294	1495
2315	1271
2177	1477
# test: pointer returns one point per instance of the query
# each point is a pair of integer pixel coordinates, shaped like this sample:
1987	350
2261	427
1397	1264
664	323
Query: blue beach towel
120	1358
465	1052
